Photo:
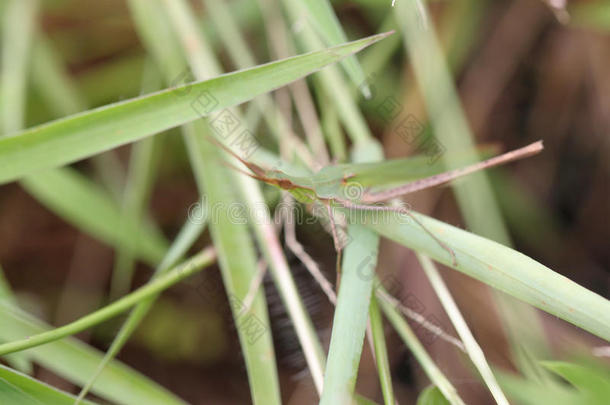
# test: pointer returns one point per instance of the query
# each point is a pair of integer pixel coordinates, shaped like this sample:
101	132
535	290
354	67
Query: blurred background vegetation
525	70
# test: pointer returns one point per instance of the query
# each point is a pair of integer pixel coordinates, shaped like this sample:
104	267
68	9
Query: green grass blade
204	63
179	273
228	234
352	310
140	179
267	240
434	373
592	381
17	32
381	352
18	361
187	236
321	15
332	83
431	396
12	395
472	347
502	268
138	186
351	316
93	211
528	391
35	389
75	361
452	130
51	79
76	137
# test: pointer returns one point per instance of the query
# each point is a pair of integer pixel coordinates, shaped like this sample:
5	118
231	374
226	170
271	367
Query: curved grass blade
179	273
187	236
85	134
74	361
502	268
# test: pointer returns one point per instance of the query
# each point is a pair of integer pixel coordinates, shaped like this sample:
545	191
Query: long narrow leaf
75	361
73	138
502	268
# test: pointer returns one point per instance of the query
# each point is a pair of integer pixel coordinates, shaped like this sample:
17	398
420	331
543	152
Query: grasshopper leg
333	228
295	247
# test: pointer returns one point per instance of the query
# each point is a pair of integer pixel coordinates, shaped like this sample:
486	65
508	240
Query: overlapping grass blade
432	371
453	133
187	236
352	313
472	347
228	234
75	361
18	361
204	63
502	268
179	273
351	316
138	186
331	82
82	135
320	14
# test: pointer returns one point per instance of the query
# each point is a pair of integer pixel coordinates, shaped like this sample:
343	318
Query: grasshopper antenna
338	246
245	173
446	177
256	169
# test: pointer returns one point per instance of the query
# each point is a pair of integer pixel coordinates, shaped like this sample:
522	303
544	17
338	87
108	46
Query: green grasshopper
334	186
